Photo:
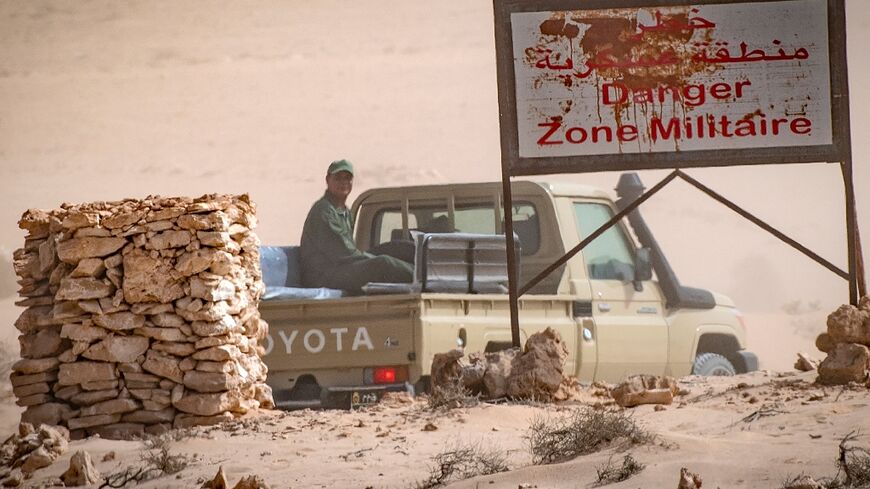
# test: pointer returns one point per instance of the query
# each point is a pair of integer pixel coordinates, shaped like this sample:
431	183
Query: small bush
463	461
157	461
610	473
583	431
451	396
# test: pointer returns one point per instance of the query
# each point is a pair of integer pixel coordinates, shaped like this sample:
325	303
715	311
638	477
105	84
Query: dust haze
102	100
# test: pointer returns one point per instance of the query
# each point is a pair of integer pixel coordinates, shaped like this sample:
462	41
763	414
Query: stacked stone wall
141	315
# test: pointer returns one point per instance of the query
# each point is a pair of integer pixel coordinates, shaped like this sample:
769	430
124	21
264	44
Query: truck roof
519	186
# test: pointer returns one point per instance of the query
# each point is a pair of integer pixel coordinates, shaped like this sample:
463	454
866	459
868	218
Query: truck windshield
608	257
468	218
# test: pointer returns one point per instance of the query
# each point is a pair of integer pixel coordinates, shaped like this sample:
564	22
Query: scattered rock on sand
805	363
30	450
219	481
645	389
803	482
850	324
689	480
848	362
251	482
537	373
81	471
445	368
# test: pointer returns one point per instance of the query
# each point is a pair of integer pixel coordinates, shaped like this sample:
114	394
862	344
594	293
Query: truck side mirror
643	266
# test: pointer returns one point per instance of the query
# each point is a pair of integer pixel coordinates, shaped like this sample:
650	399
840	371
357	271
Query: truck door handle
603	307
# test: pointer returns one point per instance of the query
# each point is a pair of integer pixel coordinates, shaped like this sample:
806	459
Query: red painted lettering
660	131
801	125
554	126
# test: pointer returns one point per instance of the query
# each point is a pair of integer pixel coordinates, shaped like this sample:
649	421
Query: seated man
329	255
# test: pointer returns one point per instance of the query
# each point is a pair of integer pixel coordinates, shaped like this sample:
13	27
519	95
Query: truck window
469	218
609	256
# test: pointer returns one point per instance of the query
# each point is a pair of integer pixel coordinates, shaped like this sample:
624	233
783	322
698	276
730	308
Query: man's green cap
340	165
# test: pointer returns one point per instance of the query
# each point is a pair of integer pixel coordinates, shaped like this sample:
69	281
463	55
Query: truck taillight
386	375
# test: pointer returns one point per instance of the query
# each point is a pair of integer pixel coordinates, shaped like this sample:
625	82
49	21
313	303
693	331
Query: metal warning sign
634	86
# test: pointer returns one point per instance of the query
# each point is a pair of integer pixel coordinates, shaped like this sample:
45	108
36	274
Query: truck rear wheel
713	364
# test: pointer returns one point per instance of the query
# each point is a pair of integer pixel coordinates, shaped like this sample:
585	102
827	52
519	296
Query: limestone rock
218	353
81	471
208	404
118	349
166	415
200	260
51	414
189	420
123	219
75	220
445	368
83	288
76	373
212	289
805	363
163	365
30	389
499	366
168	320
803	482
645	389
162	334
88	398
113	406
219	481
224	326
73	250
148	279
120	321
169	239
847	325
847	362
251	482
66	310
34	366
25	379
263	395
213	220
82	332
537	373
36	460
44	343
89	267
209	381
688	480
91	421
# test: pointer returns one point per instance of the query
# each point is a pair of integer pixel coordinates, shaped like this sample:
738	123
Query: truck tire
713	364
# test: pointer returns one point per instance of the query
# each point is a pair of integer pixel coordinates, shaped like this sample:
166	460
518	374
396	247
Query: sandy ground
709	430
104	100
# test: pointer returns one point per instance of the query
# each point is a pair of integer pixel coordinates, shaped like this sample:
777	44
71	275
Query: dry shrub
451	396
853	468
585	430
157	461
463	461
610	473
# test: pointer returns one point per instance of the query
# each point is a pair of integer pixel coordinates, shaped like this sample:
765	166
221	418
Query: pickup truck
327	348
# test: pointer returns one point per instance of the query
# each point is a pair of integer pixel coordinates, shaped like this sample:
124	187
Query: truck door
630	325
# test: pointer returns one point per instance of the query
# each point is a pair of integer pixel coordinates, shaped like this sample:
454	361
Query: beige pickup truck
328	349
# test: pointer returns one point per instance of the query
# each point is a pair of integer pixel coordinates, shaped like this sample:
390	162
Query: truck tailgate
340	333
